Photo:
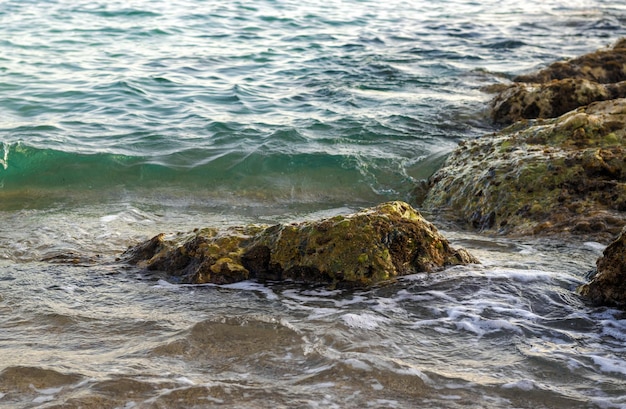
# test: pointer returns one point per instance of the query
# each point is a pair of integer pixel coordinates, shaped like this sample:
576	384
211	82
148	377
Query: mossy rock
608	285
549	100
203	256
563	86
603	66
548	176
360	249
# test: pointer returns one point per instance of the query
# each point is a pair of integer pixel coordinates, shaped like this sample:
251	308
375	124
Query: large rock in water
549	176
564	86
360	249
608	286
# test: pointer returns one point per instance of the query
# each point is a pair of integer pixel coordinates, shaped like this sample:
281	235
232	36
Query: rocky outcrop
564	86
603	66
551	99
360	249
549	176
608	285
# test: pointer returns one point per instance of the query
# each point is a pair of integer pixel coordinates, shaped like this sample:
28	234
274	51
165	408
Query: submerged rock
549	176
608	286
360	249
564	86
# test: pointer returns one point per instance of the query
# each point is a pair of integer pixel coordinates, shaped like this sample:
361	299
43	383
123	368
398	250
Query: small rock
608	285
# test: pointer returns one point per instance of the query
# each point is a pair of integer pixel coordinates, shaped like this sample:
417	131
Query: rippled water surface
122	119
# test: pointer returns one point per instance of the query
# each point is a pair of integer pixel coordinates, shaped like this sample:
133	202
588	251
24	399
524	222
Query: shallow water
507	333
121	120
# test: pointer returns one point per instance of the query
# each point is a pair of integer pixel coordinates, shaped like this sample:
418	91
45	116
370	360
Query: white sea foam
109	218
185	380
358	364
320	313
166	284
5	158
450	397
384	403
524	276
253	286
47	391
614	328
594	245
471	327
610	365
363	321
321	297
604	403
43	398
524	384
442	295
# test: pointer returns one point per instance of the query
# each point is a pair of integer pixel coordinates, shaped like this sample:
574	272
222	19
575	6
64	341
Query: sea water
123	119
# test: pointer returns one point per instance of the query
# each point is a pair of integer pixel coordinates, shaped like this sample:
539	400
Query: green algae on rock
360	249
548	176
203	256
608	285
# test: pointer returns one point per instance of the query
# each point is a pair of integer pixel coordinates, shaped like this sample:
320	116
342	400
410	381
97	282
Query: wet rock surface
549	100
608	285
562	175
603	66
563	86
359	249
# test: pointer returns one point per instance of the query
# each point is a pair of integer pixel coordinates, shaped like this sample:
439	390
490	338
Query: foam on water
363	321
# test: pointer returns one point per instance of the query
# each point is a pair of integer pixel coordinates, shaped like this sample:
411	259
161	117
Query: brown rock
602	66
549	100
563	175
608	286
360	249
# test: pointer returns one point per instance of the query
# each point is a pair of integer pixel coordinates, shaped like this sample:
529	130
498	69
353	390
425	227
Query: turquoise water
272	101
123	119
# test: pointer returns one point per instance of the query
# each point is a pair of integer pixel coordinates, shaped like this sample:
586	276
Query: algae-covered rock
204	256
602	66
370	246
359	249
529	101
549	176
608	285
563	86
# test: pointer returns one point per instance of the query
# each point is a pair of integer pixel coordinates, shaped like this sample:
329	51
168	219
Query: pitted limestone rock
360	249
548	176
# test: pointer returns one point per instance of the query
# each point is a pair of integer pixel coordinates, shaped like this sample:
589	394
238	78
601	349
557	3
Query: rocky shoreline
558	170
